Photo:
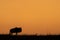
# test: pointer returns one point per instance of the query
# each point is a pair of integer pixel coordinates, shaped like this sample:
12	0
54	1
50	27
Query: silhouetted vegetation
29	37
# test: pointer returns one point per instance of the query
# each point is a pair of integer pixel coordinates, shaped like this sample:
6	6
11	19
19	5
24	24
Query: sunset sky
34	16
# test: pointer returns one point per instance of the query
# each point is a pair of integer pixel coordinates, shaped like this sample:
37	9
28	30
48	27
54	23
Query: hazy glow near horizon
34	16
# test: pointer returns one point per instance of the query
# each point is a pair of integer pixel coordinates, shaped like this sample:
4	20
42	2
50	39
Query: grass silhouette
29	37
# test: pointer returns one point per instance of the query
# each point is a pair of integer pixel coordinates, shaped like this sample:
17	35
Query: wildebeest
15	30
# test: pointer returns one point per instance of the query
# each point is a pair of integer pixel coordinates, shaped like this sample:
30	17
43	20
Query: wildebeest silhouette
15	30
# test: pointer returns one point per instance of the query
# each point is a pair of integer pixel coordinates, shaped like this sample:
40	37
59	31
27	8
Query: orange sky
34	16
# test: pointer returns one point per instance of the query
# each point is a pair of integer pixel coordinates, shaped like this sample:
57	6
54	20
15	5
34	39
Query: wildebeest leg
10	33
16	33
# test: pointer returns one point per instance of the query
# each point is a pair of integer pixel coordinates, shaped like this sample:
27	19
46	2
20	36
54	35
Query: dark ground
29	37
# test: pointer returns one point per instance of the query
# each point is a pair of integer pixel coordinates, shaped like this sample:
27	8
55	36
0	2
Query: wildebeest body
15	30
